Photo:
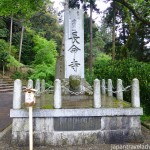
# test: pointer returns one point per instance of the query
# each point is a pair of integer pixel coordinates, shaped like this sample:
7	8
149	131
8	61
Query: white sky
97	17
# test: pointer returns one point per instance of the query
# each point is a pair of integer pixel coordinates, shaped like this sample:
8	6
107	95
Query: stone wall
78	126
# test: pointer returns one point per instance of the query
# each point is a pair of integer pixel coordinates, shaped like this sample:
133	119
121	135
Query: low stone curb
5	131
146	125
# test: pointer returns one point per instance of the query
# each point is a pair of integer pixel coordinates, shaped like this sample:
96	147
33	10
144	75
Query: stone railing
17	92
134	87
77	126
101	88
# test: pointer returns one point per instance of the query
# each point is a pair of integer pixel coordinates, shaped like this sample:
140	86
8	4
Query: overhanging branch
126	4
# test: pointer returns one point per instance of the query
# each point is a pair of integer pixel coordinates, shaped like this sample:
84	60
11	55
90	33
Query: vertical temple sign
74	64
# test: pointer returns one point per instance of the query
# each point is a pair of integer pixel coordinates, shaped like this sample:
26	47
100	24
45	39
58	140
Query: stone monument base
78	126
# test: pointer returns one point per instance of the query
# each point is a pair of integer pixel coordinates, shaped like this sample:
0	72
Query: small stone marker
97	94
103	87
43	85
30	84
135	93
17	93
119	89
110	93
74	43
57	94
37	87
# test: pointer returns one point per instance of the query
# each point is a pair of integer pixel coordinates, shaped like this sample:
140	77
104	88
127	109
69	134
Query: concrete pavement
6	100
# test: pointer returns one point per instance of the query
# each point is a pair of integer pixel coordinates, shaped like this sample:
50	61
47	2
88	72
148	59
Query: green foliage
132	30
49	28
126	70
3	45
28	53
17	75
5	58
145	118
48	106
3	29
89	76
9	7
12	62
46	51
44	71
3	53
45	59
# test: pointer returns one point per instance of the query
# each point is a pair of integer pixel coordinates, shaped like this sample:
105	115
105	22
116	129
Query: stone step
6	90
6	87
6	80
5	84
9	89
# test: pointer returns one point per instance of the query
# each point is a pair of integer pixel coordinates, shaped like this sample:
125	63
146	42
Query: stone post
37	87
97	94
103	87
57	94
17	94
30	84
43	86
119	90
135	93
110	92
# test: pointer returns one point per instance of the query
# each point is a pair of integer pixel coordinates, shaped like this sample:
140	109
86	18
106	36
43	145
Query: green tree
15	8
129	42
46	25
3	28
45	59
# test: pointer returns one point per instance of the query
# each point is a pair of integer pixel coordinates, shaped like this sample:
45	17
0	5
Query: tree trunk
10	41
124	32
91	39
113	32
3	69
21	40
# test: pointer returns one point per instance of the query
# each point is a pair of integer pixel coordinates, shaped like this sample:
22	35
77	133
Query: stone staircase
6	85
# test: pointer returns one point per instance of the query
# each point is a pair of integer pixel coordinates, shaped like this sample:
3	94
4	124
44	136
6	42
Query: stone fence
77	126
101	89
17	92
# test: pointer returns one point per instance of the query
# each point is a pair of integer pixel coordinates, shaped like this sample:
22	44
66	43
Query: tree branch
126	4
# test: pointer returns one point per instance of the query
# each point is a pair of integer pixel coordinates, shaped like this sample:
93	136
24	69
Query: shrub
43	71
126	70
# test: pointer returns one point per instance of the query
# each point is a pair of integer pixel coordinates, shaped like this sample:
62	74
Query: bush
17	75
44	71
45	59
126	70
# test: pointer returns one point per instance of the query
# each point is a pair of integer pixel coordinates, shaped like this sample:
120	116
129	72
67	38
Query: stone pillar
74	42
17	94
30	84
57	94
43	86
135	93
97	94
110	92
103	87
119	90
37	87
